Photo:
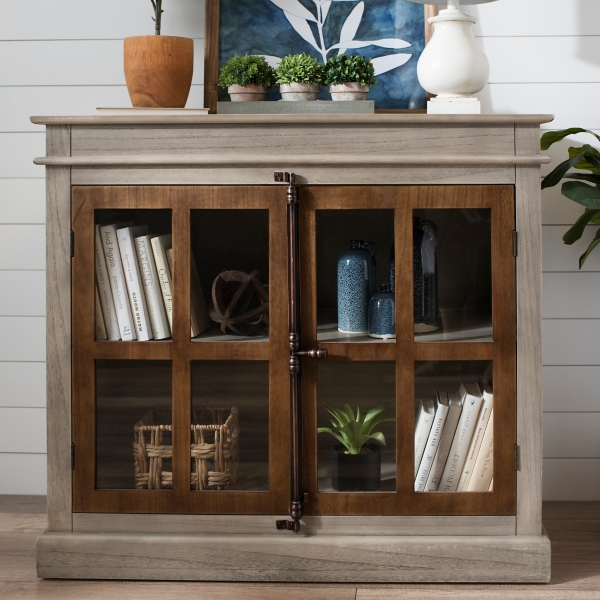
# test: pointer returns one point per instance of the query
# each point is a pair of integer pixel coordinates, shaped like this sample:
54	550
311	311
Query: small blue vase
356	284
382	314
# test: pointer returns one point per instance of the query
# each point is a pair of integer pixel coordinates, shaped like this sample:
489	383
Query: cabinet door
447	250
193	415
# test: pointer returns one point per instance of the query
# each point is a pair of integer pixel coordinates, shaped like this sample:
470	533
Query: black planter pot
356	472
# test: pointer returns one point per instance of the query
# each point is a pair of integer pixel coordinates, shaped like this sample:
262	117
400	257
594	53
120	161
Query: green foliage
158	11
345	69
355	430
242	70
584	187
299	68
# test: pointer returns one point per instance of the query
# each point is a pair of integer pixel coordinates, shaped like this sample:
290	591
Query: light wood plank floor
573	527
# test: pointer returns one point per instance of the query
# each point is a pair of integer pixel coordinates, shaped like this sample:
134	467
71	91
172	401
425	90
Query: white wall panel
571	296
17	151
22	247
571	389
572	435
23	293
77	62
23	474
23	384
22	200
22	339
557	256
23	430
571	342
89	19
571	479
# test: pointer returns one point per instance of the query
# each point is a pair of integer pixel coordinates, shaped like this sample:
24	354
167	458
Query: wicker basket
214	450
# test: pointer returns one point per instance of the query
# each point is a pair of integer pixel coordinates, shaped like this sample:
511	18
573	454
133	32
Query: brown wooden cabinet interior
180	200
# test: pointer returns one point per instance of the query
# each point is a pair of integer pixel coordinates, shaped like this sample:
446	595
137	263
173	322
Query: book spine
491	488
164	276
154	299
107	303
431	447
421	434
484	466
100	328
200	320
117	282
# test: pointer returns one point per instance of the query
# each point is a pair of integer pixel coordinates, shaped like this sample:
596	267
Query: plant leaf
584	177
303	28
578	228
551	137
349	412
295	8
379	437
582	193
383	64
350	26
584	153
394	43
559	172
592	245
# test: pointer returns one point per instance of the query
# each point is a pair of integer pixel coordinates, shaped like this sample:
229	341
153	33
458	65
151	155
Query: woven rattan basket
214	450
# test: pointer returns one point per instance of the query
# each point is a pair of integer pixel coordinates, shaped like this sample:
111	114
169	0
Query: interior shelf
214	334
460	327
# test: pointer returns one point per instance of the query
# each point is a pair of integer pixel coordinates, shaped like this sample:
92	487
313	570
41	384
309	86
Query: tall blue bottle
357	282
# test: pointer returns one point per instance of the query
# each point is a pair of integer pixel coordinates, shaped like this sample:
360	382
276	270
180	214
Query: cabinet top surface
376	119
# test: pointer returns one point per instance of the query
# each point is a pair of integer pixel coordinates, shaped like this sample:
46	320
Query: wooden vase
158	70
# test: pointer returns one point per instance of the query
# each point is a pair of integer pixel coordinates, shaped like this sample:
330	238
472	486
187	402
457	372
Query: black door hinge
515	243
517	457
72	457
72	243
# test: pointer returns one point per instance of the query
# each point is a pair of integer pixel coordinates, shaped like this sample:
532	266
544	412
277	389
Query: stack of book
134	299
454	441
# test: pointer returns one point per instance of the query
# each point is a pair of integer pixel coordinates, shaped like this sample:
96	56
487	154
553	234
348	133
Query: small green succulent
242	70
299	68
355	430
345	69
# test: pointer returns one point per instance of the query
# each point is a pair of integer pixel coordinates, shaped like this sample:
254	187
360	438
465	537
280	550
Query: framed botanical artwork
393	33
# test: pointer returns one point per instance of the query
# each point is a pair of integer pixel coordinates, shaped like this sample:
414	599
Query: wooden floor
573	527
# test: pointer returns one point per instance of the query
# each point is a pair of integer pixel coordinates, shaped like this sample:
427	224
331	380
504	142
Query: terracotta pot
299	91
158	70
247	93
351	90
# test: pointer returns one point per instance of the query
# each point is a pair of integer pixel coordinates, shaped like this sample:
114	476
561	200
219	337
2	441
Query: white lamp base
454	105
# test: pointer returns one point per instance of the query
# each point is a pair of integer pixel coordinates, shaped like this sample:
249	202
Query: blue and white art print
390	32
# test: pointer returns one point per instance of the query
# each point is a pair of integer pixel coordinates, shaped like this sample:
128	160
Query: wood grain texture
58	331
211	54
293	558
529	337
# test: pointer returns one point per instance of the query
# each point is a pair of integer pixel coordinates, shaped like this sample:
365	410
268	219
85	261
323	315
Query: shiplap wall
65	57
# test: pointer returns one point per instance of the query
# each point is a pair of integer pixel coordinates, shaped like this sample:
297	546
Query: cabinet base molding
326	559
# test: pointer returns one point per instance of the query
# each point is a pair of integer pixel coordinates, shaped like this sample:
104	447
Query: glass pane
133	425
454	426
354	259
452	255
133	280
360	464
230	425
230	275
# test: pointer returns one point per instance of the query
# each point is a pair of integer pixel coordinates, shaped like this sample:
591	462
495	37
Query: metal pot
356	472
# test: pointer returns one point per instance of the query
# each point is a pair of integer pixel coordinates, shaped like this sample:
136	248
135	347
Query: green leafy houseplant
345	69
244	70
299	68
158	11
352	430
585	187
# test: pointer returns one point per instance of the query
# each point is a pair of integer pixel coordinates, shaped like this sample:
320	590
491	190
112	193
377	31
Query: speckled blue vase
382	314
356	284
425	276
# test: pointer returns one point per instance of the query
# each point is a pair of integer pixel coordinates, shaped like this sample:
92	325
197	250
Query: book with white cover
131	269
484	416
457	456
152	289
100	328
199	312
425	414
484	466
441	412
160	244
441	455
107	303
117	281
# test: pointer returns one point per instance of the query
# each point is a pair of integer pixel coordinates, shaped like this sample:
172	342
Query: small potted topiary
349	77
247	78
299	77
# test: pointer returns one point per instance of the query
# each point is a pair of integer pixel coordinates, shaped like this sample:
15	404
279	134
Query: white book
441	413
443	449
457	456
131	269
425	414
484	416
484	466
152	289
491	488
107	303
100	328
199	312
117	281
160	244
